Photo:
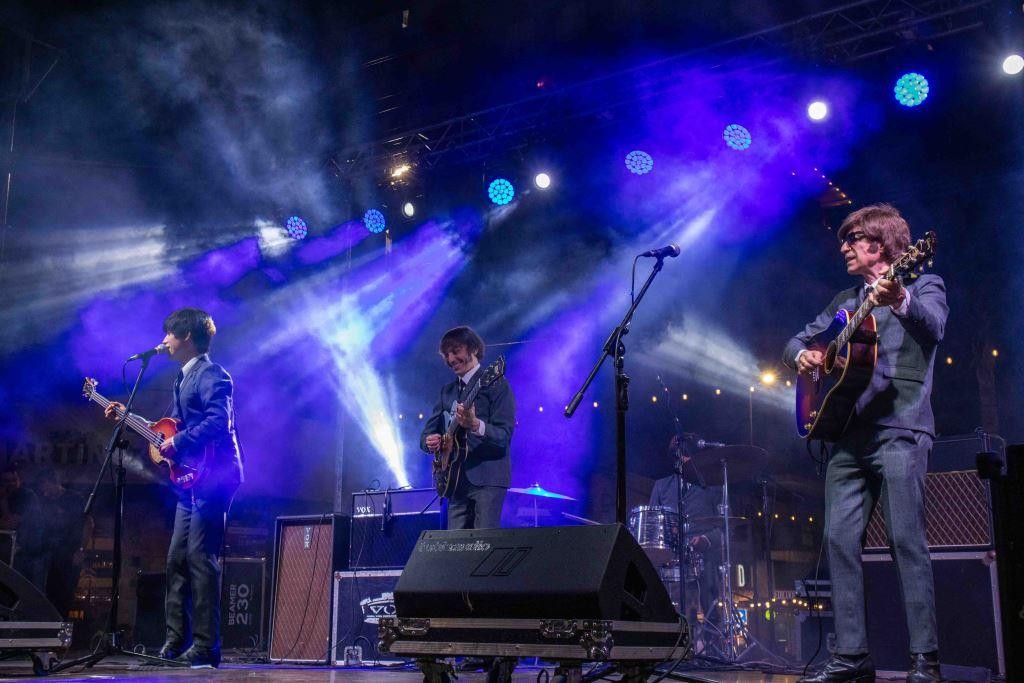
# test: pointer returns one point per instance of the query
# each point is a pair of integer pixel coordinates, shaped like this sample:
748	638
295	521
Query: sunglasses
852	238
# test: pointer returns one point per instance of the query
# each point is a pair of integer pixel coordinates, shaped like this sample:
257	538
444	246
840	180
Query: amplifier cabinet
361	598
966	608
308	550
387	524
242	602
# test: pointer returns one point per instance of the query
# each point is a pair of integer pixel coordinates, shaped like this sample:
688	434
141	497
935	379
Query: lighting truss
845	34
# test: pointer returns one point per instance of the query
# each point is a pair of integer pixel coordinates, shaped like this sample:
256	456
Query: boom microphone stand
615	348
110	643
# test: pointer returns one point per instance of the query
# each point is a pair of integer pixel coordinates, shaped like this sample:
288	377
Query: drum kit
673	541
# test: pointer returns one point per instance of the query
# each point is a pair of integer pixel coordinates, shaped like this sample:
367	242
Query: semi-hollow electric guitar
183	470
449	457
827	395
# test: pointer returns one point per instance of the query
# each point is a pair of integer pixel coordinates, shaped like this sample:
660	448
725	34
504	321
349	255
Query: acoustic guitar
827	395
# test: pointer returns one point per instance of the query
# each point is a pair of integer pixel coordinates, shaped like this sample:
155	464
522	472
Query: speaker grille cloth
956	513
301	609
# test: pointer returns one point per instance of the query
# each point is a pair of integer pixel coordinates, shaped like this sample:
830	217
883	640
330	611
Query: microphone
701	443
671	250
159	348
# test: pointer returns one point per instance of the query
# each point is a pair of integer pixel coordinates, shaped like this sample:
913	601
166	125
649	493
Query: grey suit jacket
900	391
488	462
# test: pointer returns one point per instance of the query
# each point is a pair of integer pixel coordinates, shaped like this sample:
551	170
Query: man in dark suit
202	403
484	481
882	456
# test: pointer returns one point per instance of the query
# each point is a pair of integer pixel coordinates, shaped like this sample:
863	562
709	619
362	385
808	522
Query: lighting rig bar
849	33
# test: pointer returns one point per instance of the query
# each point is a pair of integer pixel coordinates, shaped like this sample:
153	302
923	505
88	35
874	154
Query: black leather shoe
845	669
169	651
924	668
200	659
475	664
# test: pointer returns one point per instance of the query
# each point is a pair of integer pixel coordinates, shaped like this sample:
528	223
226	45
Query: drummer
698	501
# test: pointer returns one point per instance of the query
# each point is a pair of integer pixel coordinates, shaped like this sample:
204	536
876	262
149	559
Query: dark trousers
194	572
885	465
475	507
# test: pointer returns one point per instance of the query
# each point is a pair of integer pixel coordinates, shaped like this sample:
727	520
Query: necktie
462	388
177	386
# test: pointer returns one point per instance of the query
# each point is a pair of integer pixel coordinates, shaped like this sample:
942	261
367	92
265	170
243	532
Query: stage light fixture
374	221
542	181
736	136
1013	64
409	209
501	191
296	228
817	110
639	162
911	89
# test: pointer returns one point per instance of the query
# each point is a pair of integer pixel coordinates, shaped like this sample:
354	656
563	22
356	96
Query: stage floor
118	669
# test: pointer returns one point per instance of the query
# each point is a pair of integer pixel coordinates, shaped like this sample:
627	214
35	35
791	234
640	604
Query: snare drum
656	528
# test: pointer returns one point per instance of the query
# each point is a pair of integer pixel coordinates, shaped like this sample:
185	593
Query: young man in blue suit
202	402
882	457
484	481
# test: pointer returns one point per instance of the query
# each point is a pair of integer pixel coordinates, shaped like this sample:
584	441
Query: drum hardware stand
111	644
725	569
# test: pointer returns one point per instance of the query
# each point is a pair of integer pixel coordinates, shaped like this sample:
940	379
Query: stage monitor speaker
966	609
307	552
573	572
22	601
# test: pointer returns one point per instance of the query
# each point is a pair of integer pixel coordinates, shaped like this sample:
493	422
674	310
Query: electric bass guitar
827	395
453	450
184	472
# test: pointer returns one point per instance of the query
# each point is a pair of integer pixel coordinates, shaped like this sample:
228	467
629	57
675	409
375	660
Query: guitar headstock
916	256
493	372
89	387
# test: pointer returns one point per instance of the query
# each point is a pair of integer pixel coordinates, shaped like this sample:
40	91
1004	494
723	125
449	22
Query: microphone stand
615	348
110	642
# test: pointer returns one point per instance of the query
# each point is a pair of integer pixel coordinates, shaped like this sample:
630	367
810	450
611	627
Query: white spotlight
817	110
409	209
542	180
1013	64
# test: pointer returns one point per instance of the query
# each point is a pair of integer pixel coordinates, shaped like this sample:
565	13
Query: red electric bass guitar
184	471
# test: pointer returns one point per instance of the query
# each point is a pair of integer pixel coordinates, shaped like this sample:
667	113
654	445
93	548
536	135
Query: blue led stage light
296	228
639	162
374	221
736	136
911	89
501	191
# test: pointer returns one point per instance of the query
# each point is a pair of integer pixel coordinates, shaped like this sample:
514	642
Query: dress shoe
845	669
475	664
924	668
200	659
167	651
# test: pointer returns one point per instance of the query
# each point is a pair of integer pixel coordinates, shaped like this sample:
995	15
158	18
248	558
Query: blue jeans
886	465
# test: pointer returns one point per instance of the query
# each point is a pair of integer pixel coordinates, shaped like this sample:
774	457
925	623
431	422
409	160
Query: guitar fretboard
138	425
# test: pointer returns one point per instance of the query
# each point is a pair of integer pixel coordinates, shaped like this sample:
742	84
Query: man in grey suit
882	456
487	471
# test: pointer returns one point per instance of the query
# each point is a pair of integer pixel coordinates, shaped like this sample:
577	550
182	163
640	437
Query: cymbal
538	490
744	464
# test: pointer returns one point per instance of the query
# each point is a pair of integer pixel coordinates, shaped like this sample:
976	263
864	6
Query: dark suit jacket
488	463
900	391
204	407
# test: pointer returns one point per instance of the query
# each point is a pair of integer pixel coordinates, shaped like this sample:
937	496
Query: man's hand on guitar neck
888	293
467	419
433	442
112	410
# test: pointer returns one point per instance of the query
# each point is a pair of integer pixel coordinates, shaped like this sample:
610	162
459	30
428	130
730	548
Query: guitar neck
137	424
468	403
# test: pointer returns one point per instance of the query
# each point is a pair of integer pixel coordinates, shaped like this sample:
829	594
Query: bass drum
656	528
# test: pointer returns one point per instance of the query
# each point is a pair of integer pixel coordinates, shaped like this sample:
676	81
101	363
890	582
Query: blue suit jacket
900	391
204	406
488	463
